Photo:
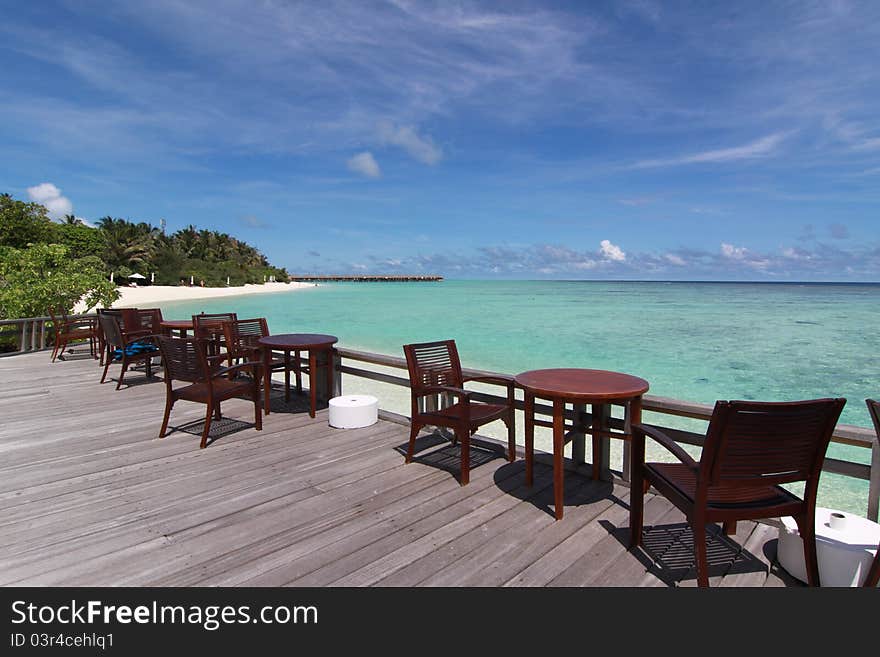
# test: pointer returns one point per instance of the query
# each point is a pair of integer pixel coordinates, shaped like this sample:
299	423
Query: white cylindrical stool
353	411
845	546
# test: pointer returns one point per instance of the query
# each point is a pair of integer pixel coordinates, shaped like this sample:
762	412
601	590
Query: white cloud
421	148
755	149
50	196
733	252
365	164
612	251
675	260
253	222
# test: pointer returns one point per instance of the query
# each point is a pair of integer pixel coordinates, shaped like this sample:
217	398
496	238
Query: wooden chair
69	330
120	347
241	335
141	321
102	341
185	359
750	449
209	327
435	369
873	577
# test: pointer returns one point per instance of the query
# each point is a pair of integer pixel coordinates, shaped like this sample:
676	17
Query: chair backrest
208	326
433	364
114	312
184	359
111	330
142	319
242	334
767	443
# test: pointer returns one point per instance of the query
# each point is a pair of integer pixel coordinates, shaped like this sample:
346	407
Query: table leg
267	378
601	445
329	353
286	375
313	378
558	447
298	370
529	403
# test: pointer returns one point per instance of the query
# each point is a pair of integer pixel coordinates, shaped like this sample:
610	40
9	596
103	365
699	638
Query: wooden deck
90	497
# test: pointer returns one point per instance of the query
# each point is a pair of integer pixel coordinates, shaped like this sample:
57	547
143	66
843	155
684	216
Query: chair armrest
82	322
497	379
433	390
667	442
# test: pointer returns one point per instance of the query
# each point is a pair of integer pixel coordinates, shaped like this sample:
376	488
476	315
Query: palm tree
72	220
126	244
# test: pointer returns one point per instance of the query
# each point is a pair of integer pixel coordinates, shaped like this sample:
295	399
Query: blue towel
134	349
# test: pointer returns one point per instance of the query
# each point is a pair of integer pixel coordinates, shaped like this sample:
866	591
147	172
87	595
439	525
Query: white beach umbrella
137	276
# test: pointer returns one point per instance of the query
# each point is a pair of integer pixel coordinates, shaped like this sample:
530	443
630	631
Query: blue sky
623	140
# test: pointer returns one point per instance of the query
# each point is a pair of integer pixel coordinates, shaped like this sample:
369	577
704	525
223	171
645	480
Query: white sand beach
151	294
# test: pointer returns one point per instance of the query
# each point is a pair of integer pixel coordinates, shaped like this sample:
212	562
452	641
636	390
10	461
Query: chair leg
169	402
106	367
636	507
122	373
806	524
413	432
258	408
729	527
55	351
207	428
699	529
464	437
61	347
511	439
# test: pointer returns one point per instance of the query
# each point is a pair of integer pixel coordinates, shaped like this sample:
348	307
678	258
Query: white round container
845	546
353	411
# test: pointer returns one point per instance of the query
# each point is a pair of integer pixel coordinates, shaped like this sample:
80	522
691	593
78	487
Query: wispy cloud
421	148
252	221
763	147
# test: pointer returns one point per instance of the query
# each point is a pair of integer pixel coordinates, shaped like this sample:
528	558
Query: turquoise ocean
691	341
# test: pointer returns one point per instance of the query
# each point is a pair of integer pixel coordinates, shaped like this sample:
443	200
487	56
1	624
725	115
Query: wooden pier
90	496
366	279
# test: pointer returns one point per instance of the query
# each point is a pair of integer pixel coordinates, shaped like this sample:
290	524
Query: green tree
81	240
127	244
43	276
24	223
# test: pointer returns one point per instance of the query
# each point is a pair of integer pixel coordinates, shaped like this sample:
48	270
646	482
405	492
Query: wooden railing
18	336
845	434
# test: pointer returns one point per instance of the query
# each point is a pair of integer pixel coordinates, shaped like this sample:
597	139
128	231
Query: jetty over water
90	496
366	279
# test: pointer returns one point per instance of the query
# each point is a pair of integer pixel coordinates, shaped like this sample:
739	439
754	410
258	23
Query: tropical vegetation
44	263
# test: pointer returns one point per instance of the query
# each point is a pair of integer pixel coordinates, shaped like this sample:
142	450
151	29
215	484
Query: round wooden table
180	325
287	342
599	388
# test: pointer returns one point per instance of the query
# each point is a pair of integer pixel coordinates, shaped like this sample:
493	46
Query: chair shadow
579	489
299	402
437	451
668	552
219	428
